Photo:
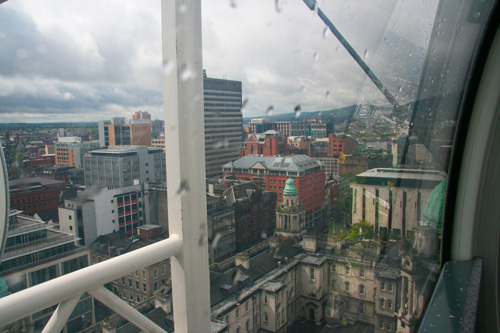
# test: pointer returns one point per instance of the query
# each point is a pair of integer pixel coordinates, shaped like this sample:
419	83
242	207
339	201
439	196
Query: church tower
290	213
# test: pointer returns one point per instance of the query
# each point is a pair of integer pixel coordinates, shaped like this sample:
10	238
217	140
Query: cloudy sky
89	60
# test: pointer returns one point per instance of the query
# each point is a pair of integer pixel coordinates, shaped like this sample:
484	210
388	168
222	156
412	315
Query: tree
14	172
361	230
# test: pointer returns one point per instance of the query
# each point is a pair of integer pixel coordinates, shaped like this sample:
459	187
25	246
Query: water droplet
184	188
232	3
410	55
337	49
476	15
298	109
168	66
243	106
327	94
400	88
325	32
269	111
186	73
365	54
278	5
223	143
263	235
216	240
236	276
303	88
183	8
316	56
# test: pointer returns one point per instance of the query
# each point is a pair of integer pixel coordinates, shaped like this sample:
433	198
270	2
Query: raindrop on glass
278	5
168	66
243	106
232	3
216	240
327	94
316	56
298	109
337	49
365	54
400	88
303	88
269	111
182	8
186	73
325	32
184	188
223	143
263	235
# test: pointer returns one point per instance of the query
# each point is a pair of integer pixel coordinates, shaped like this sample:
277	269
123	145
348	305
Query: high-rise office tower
223	123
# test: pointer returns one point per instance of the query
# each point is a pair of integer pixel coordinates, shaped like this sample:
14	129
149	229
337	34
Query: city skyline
59	66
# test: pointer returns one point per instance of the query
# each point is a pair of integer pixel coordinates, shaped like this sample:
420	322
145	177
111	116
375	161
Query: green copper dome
434	208
290	188
4	289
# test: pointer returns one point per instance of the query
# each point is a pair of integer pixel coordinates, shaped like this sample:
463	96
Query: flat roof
413	174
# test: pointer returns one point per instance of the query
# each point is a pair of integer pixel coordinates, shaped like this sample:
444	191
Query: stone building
392	200
290	213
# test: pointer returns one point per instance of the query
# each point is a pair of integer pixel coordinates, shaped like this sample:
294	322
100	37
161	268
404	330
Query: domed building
290	213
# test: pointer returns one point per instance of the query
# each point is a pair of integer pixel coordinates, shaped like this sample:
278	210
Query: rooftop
297	163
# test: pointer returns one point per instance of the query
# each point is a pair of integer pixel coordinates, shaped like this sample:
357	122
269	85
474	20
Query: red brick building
271	173
338	144
35	195
270	143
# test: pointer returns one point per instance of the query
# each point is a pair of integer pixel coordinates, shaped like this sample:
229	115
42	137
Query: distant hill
325	115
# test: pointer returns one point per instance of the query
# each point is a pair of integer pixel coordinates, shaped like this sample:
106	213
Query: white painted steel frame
66	287
185	151
187	245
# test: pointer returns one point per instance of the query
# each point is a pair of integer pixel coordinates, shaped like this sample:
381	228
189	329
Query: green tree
14	172
361	230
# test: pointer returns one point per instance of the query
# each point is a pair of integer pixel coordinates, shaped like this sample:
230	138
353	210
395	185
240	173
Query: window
247	326
155	273
237	312
389	286
382	303
137	285
362	273
347	286
389	304
348	270
361	308
347	305
265	299
312	273
143	274
266	318
382	285
361	289
246	306
334	268
144	288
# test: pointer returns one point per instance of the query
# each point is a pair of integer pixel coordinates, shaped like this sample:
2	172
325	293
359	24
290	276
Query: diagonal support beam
61	315
122	308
